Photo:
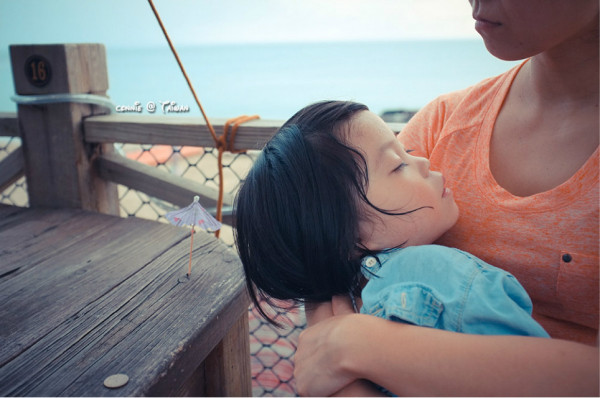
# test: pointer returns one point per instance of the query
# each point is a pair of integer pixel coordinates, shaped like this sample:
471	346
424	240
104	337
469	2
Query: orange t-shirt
548	241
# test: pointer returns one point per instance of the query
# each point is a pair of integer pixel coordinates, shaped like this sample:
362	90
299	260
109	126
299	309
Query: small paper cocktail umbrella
193	215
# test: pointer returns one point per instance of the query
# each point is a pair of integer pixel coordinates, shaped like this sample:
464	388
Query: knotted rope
222	142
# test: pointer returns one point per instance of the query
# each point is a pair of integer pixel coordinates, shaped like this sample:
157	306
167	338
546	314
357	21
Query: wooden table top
84	296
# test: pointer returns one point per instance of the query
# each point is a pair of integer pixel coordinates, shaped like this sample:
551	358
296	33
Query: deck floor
86	295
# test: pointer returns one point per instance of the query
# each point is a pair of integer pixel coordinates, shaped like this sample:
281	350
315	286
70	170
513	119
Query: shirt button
567	258
370	262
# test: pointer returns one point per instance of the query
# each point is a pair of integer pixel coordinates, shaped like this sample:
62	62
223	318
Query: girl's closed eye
400	167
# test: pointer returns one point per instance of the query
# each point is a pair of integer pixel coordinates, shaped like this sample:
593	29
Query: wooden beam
12	167
227	369
163	130
8	124
169	130
160	184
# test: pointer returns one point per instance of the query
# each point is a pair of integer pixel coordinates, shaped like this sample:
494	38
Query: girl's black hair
297	212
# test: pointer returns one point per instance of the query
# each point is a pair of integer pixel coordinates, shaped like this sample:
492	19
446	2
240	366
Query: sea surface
275	80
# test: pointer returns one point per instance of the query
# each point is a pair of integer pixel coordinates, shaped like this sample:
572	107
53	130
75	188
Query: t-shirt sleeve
424	129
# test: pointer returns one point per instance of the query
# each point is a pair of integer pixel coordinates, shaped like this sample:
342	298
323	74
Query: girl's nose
423	164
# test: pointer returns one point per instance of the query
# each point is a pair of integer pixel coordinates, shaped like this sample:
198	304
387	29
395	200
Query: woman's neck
565	75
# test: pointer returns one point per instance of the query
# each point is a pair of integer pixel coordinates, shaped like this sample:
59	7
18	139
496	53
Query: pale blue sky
131	22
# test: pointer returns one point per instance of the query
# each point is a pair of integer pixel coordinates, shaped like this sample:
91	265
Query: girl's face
398	182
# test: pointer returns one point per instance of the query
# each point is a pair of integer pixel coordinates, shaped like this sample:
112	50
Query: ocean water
275	80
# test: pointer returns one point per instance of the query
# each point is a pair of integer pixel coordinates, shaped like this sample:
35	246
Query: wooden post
58	163
227	368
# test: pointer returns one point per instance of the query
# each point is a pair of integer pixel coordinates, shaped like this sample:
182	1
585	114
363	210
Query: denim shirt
446	288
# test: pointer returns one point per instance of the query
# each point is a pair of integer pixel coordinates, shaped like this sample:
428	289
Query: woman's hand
319	363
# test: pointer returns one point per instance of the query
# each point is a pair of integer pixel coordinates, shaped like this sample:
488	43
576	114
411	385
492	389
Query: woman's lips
483	25
480	18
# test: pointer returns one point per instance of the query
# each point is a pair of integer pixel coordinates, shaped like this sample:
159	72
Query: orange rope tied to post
221	142
224	144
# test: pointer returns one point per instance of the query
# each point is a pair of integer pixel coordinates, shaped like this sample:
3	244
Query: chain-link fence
271	348
16	194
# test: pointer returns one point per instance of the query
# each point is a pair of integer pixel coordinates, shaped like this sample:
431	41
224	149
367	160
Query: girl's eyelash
401	166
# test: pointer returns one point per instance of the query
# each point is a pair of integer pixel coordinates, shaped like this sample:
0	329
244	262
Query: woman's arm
357	388
410	360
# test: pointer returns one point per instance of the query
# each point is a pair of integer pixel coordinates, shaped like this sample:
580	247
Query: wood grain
155	182
12	167
92	295
57	160
8	124
169	130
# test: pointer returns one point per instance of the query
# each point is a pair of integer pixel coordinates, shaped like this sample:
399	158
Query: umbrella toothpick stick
191	248
193	215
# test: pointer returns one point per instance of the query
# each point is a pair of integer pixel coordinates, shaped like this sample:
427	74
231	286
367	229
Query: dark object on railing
397	116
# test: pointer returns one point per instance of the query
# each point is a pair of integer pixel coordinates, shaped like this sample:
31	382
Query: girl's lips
445	191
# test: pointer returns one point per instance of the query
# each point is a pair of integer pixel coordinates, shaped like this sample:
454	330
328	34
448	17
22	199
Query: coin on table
116	380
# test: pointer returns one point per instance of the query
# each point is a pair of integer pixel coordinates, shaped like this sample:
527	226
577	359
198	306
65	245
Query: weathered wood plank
139	327
57	160
159	184
78	344
8	124
8	212
168	130
228	367
12	167
39	234
73	68
62	273
165	130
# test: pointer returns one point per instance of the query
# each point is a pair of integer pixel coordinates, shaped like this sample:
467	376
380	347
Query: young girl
336	205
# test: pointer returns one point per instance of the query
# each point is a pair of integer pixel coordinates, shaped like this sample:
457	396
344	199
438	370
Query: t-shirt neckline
558	196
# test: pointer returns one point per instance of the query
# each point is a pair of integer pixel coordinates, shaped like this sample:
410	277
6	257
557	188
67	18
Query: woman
523	150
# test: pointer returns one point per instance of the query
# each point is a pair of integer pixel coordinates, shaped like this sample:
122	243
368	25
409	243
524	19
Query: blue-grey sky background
389	54
130	23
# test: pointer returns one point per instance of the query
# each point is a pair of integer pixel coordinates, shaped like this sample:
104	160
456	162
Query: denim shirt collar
372	264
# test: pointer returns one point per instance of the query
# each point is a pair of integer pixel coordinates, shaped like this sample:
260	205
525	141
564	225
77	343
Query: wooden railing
72	139
156	130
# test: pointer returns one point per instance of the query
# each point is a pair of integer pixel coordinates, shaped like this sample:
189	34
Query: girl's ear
366	227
